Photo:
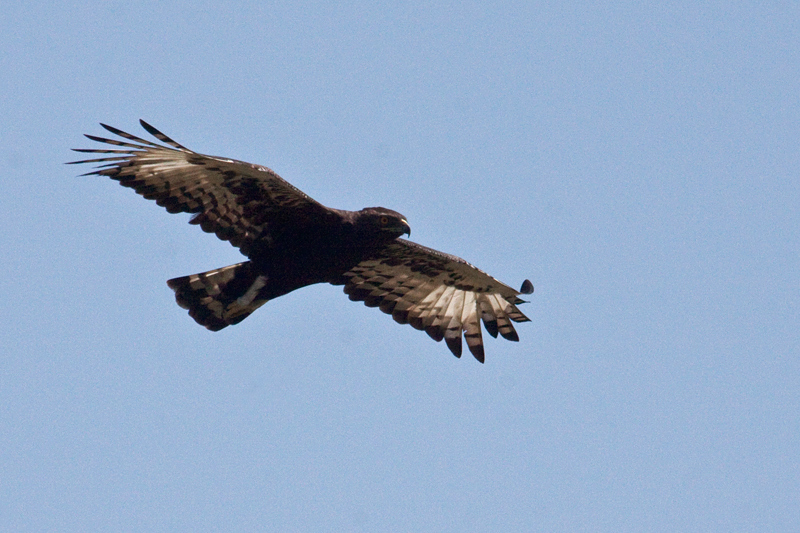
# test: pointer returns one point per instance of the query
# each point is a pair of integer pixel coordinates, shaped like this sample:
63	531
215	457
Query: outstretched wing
438	293
239	202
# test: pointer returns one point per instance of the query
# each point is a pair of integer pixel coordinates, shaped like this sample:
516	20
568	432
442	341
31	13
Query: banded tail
220	297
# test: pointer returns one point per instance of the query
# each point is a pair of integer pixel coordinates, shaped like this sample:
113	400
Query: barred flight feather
438	293
216	190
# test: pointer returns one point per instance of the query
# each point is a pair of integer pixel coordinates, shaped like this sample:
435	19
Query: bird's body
293	241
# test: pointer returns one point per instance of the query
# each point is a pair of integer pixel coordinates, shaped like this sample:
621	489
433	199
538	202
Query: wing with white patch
438	293
239	202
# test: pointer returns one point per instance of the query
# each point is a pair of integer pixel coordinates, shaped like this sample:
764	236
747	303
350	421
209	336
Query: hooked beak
397	227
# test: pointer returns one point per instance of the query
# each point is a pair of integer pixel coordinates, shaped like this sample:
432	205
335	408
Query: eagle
291	241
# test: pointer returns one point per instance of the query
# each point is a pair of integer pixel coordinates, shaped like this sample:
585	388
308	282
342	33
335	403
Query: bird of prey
292	241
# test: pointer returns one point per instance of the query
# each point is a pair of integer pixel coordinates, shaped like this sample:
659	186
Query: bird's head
382	222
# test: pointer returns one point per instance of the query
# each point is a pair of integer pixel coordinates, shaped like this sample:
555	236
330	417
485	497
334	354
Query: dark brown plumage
292	241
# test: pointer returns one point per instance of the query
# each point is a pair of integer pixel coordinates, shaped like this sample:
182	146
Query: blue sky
637	161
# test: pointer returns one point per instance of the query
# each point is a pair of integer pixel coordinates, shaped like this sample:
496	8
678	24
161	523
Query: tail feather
221	297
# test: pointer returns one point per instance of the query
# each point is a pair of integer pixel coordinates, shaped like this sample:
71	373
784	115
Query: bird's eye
384	221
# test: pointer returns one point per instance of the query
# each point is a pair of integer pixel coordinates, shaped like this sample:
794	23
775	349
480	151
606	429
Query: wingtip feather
454	343
527	287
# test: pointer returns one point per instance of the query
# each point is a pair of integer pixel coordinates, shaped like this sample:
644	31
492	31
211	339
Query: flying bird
291	241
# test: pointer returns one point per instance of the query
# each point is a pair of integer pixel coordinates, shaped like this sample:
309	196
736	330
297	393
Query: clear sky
638	161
